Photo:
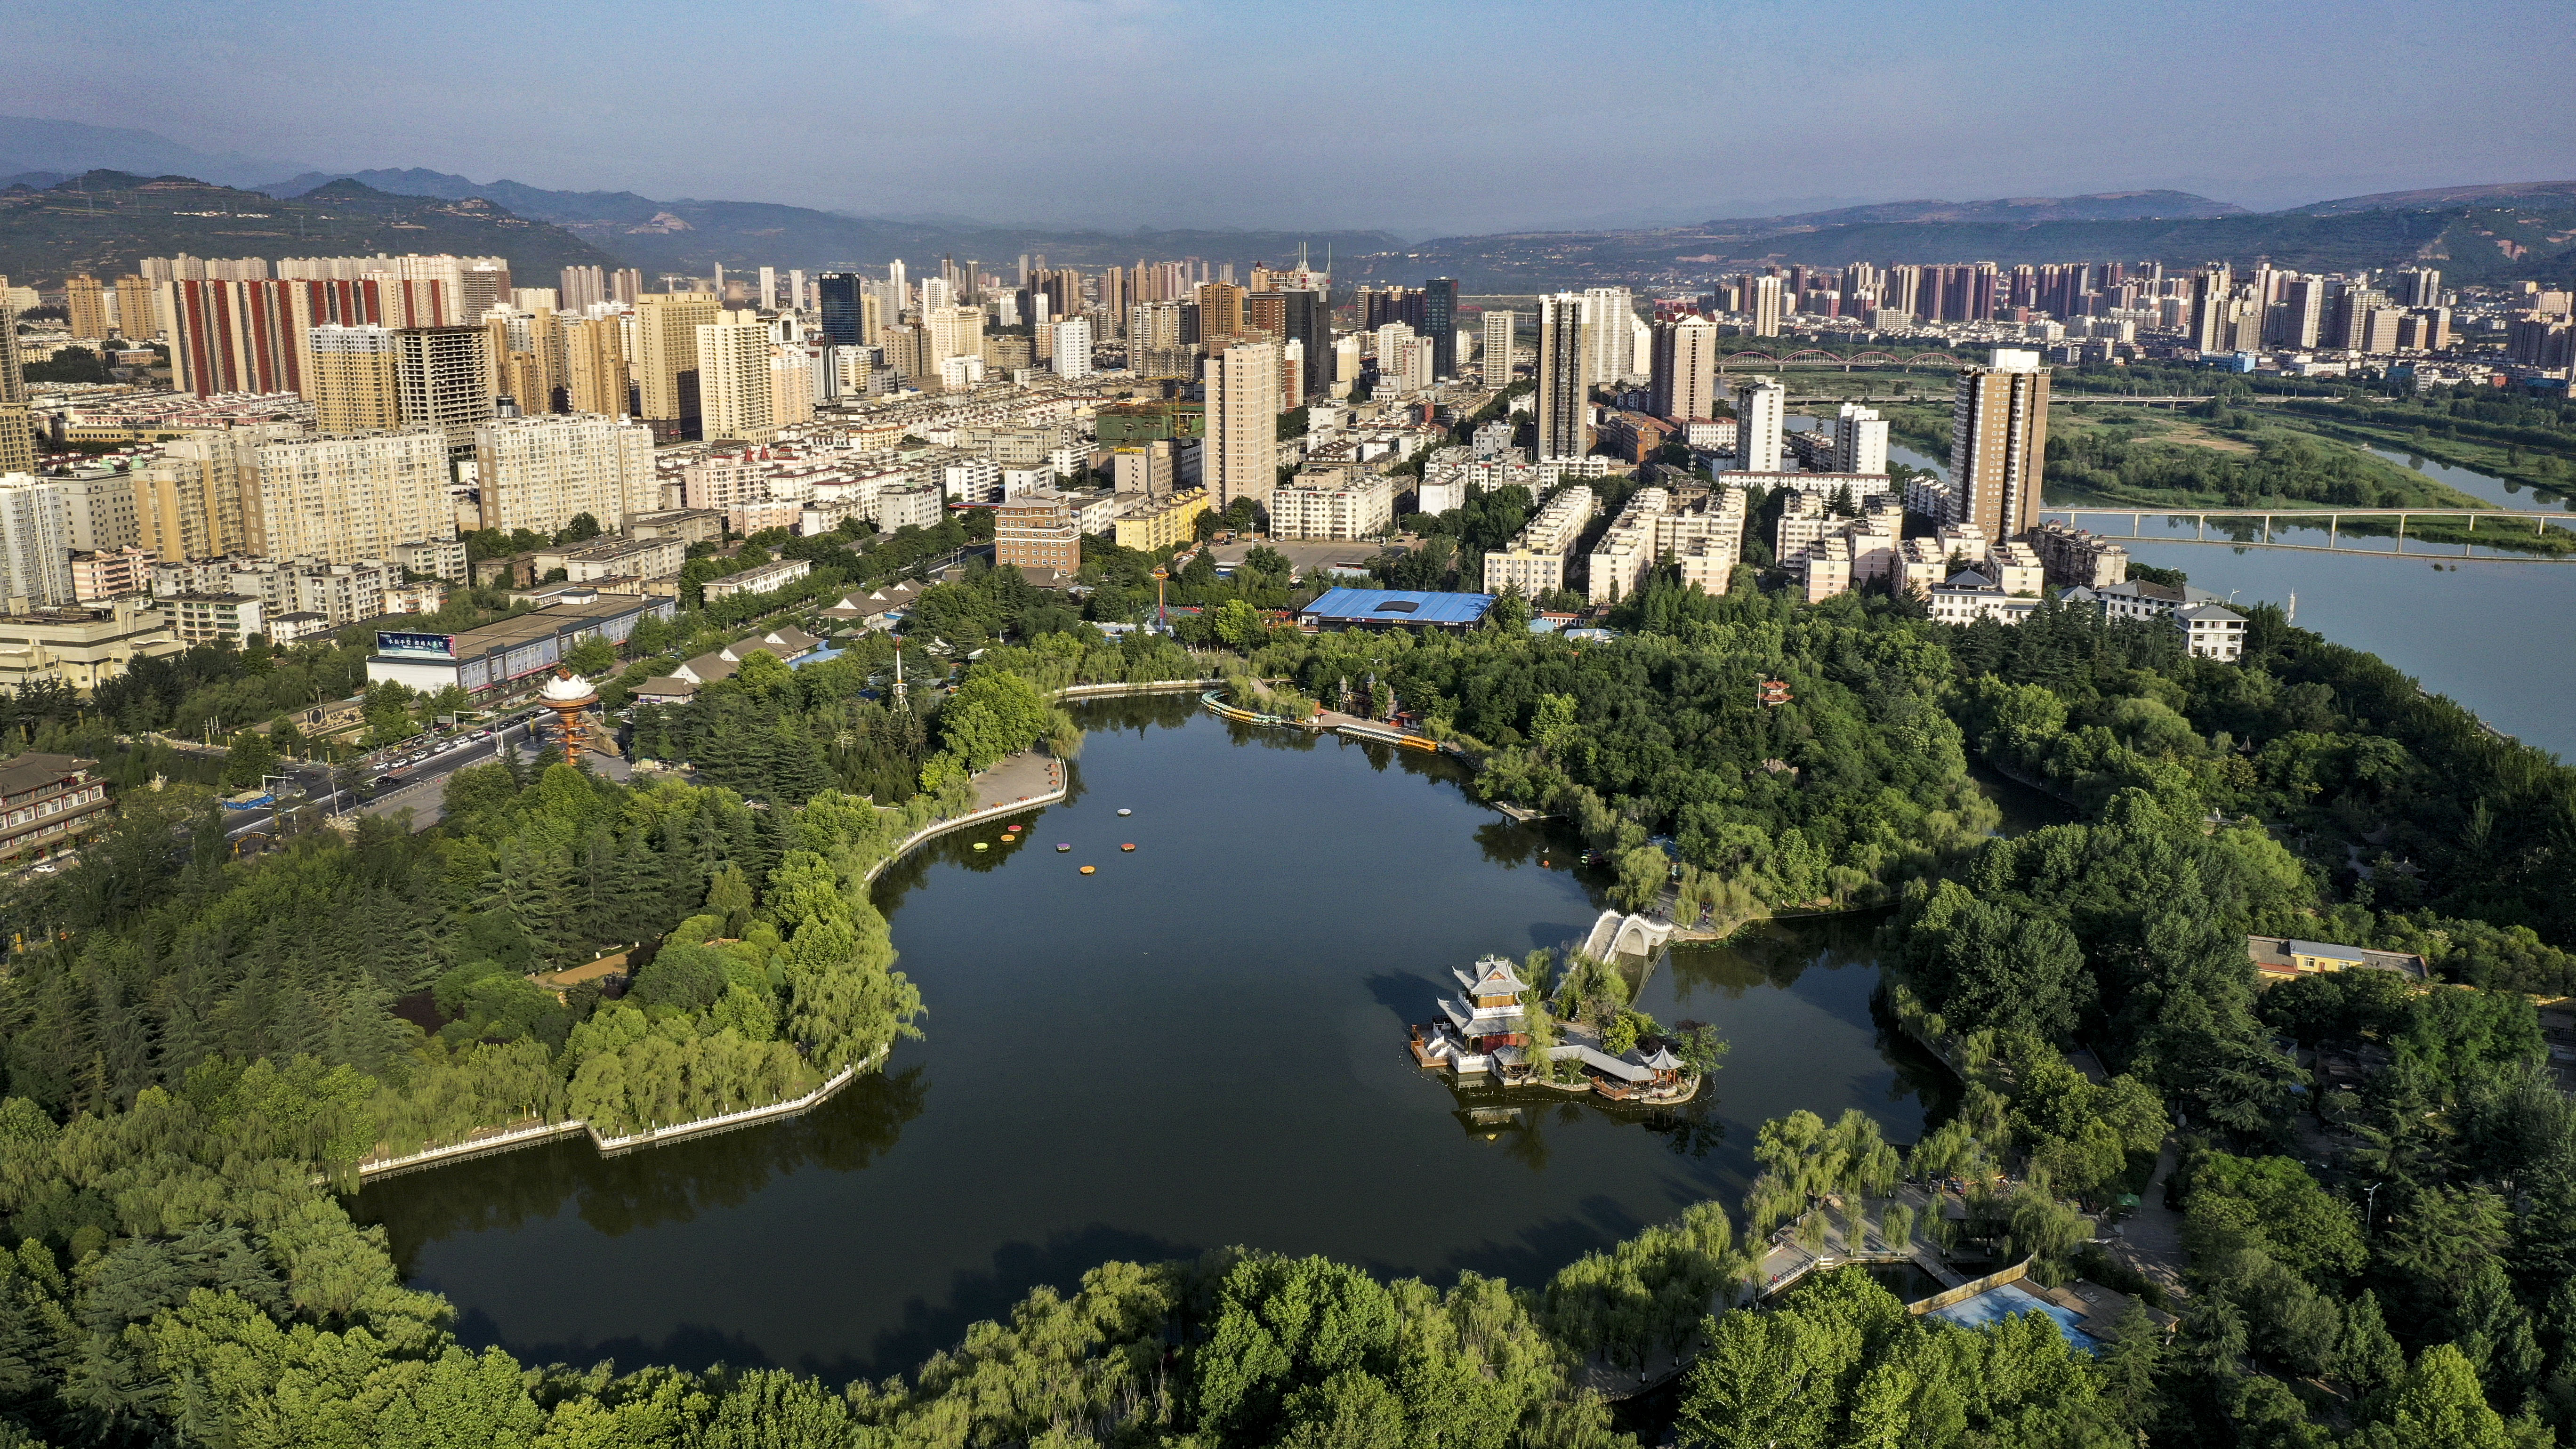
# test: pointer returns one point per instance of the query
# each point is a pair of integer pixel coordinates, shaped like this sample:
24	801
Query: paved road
2150	1240
422	791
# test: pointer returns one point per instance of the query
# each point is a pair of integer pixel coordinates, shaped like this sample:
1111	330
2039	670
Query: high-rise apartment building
734	381
135	315
1860	440
1682	381
2419	286
541	473
199	497
1761	413
1440	323
1564	378
1073	347
666	360
1302	322
443	380
1241	451
2296	320
100	510
2212	287
1612	313
352	380
85	298
579	289
954	331
1762	300
595	379
345	498
1999	444
35	544
1220	312
17	430
1498	348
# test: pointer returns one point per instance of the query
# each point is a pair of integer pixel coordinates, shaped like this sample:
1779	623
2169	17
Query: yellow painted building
1174	521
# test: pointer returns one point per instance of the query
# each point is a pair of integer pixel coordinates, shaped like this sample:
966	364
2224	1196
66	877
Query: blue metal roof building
1394	608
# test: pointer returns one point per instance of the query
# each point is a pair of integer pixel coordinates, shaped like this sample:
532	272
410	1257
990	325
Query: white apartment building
1621	560
1761	412
539	473
35	544
341	499
1073	347
1339	503
1860	440
1534	563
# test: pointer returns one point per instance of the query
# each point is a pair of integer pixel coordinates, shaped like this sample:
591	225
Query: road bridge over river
2259	528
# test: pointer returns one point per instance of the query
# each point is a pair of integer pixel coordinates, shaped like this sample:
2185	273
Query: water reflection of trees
1774	954
645	1188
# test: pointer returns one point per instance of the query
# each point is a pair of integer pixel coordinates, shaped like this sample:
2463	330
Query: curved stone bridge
1634	935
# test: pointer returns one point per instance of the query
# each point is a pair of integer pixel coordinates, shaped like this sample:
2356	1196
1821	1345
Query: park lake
1200	1045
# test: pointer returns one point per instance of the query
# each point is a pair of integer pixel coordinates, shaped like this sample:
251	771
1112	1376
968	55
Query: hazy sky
1416	117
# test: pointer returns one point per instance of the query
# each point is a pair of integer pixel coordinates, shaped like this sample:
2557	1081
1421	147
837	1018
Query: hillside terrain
690	236
2101	206
2507	238
104	221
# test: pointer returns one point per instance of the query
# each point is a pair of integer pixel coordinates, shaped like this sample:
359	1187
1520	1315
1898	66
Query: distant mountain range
103	222
692	237
2474	234
2012	211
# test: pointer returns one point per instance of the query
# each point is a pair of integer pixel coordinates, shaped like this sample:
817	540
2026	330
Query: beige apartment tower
135	319
199	496
1762	301
666	358
1999	444
86	300
17	431
1498	349
734	382
539	473
1241	451
595	378
341	499
352	378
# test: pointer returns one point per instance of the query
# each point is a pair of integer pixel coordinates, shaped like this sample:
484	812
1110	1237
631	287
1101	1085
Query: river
1201	1045
2466	630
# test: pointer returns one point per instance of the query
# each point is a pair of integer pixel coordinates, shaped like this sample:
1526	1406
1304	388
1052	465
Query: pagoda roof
1663	1060
1494	977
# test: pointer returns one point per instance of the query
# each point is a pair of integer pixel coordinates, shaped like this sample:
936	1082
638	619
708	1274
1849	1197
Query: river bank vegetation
2377	1182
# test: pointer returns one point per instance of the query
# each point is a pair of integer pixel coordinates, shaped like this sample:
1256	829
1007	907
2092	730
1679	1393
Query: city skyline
1897	106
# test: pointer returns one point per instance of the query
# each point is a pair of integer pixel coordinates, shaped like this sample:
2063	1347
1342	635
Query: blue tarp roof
1397	606
1996	1304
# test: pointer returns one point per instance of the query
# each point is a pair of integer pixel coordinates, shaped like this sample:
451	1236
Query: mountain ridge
103	221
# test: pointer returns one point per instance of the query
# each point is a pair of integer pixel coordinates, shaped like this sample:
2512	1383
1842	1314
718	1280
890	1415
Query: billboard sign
391	642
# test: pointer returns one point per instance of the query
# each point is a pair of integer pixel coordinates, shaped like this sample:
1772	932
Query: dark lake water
1203	1044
